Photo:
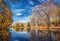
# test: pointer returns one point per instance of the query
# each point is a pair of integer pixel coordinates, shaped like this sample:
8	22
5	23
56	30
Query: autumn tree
21	26
59	15
5	22
44	14
18	27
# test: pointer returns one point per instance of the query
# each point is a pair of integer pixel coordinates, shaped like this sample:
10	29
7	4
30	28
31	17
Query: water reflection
19	36
44	36
35	35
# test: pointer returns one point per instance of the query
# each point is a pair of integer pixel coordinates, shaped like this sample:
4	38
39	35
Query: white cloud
23	20
31	2
17	10
18	14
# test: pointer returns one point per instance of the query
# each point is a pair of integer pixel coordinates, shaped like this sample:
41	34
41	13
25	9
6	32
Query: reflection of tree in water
55	35
43	36
5	22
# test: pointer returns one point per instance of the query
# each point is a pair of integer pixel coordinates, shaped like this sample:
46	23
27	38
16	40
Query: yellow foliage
0	0
1	18
26	25
21	24
54	20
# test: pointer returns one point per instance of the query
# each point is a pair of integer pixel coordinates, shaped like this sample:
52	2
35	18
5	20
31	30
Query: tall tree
44	13
5	21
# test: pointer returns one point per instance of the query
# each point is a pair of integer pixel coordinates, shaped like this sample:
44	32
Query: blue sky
22	9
